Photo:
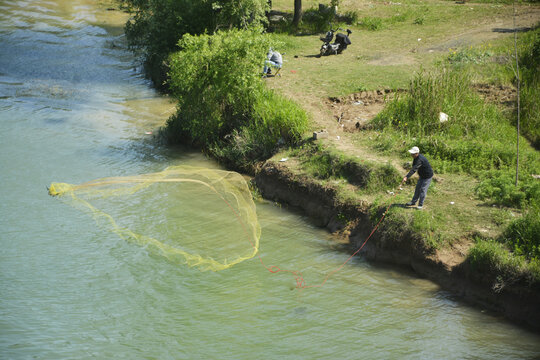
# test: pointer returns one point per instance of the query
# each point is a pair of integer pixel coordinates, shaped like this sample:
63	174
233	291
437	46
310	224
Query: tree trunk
297	13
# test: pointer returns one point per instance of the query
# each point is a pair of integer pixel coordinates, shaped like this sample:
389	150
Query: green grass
476	137
523	235
493	258
386	58
324	163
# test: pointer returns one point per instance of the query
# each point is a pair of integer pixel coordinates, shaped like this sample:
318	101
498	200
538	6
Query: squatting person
273	59
425	172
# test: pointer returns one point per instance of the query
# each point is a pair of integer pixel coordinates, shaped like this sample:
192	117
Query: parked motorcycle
337	47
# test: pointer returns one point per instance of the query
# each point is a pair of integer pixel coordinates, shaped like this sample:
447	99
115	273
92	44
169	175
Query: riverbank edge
396	244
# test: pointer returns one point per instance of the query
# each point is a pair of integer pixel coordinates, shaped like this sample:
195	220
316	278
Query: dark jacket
421	164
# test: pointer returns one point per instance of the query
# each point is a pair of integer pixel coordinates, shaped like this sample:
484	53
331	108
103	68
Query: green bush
419	20
500	189
492	257
156	25
429	94
523	235
223	104
349	17
274	121
316	20
214	79
472	55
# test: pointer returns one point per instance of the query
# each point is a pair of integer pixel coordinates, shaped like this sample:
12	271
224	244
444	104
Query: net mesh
202	217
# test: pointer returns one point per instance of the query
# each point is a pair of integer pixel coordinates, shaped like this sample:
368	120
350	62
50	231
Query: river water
74	107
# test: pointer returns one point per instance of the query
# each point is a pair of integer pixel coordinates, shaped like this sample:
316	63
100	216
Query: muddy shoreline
517	302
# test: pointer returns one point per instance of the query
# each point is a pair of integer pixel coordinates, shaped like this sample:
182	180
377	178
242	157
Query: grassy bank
474	153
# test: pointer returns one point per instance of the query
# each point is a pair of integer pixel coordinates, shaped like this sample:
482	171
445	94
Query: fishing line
301	283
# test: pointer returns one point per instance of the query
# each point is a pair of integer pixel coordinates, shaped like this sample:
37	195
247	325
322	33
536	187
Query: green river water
74	107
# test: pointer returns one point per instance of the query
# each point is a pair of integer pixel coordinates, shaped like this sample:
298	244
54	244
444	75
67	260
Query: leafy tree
240	14
157	25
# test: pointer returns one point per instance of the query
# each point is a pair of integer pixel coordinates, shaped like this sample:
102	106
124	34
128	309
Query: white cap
414	150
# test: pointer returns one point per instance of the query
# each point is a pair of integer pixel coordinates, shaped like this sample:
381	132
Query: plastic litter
443	117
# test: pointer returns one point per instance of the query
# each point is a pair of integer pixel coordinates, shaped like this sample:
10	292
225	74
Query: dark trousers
421	191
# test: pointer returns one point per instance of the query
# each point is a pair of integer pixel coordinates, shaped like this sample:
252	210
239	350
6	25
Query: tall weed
476	137
523	235
371	23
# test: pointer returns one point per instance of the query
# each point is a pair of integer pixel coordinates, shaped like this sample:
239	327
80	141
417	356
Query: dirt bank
396	243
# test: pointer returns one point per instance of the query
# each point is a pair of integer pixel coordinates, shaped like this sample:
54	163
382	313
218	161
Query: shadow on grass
403	206
511	30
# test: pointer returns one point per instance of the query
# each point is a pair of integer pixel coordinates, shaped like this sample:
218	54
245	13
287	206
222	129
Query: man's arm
416	165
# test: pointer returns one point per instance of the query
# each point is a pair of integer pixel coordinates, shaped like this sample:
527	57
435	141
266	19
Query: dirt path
526	18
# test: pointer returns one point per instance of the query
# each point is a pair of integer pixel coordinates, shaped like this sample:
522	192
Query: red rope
300	282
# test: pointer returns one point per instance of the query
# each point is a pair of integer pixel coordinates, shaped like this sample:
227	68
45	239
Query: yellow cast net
202	217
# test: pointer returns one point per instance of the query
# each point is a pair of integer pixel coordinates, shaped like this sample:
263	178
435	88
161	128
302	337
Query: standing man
420	164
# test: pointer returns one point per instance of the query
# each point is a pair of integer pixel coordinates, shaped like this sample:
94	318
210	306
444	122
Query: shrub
274	121
371	23
223	104
430	93
214	78
492	259
419	20
499	187
523	235
349	17
469	55
316	20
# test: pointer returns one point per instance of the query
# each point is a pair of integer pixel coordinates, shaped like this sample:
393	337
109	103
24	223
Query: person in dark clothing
425	172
